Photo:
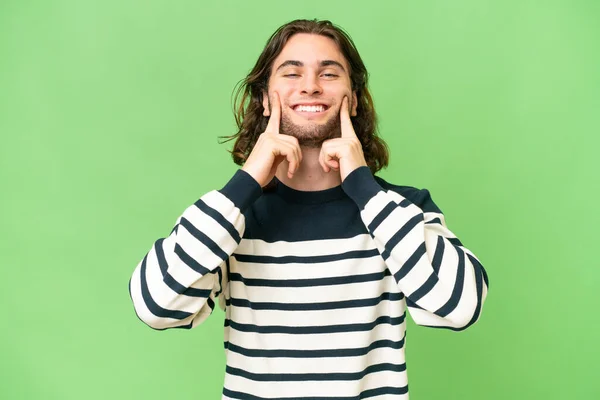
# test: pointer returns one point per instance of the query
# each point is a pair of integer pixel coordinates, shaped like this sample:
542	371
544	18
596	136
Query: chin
311	134
313	138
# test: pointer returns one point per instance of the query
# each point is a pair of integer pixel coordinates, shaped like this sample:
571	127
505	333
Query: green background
109	118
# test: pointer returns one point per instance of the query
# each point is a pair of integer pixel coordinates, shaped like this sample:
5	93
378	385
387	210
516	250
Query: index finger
273	124
346	123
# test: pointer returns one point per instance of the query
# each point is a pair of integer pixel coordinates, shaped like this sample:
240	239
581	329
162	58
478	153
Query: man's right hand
272	148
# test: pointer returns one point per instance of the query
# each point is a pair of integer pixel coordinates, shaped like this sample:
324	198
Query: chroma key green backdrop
109	118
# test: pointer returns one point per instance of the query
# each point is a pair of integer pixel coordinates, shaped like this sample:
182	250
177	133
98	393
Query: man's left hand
345	153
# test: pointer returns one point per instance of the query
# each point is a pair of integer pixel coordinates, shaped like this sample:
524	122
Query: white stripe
318	318
197	250
315	365
345	267
465	309
165	297
316	388
211	228
305	248
251	340
442	291
142	310
314	294
394	223
219	202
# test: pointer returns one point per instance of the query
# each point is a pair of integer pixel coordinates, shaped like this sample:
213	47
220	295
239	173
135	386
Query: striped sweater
315	285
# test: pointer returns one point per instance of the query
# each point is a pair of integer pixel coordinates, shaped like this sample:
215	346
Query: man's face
311	77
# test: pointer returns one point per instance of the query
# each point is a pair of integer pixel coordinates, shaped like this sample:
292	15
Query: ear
354	104
265	102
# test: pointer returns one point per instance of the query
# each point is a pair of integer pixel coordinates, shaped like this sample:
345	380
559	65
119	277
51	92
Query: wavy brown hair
248	94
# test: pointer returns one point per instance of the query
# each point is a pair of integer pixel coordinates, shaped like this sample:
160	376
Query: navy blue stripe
479	276
436	220
383	390
208	242
433	278
152	305
331	305
210	303
327	376
458	287
170	281
455	241
412	304
485	277
405	203
250	258
363	395
410	263
330	281
383	214
190	262
188	326
160	255
425	288
284	353
221	220
228	269
220	273
302	330
438	256
398	236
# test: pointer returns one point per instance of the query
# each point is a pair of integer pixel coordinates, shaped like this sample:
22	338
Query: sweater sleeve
178	281
444	283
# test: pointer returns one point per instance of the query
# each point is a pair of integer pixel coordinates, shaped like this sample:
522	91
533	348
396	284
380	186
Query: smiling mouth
310	110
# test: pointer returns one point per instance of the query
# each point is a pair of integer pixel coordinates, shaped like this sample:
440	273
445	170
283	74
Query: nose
310	85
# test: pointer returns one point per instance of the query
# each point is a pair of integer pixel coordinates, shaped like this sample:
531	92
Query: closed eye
327	75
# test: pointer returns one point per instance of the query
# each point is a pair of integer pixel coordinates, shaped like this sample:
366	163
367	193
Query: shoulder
419	197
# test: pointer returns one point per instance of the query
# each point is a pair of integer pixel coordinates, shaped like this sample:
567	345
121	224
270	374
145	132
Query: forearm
178	280
444	283
168	292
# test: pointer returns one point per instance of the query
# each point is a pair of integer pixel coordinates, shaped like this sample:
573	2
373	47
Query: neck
310	175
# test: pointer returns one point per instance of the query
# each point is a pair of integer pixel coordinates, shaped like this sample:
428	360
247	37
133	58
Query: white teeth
310	108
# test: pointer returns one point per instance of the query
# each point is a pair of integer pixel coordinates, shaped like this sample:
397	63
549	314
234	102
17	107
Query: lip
308	114
314	103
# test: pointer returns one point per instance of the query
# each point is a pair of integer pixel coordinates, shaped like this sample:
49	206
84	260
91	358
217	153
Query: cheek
340	91
284	93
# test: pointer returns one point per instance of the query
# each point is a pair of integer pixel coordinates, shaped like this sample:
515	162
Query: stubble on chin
311	135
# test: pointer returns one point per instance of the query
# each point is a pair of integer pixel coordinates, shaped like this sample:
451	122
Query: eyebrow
324	63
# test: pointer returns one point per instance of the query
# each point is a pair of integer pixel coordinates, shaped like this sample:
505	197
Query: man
314	259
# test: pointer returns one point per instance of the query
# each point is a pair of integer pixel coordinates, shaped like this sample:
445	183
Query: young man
314	259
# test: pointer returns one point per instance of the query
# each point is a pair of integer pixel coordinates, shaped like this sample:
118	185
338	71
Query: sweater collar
308	197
